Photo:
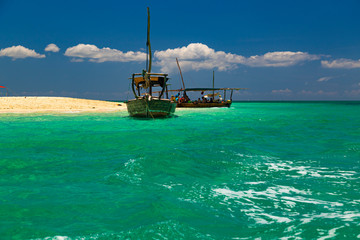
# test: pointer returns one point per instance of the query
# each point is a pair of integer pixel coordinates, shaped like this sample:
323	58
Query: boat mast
148	46
177	61
213	85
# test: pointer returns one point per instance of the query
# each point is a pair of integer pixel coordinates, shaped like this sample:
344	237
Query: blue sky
279	50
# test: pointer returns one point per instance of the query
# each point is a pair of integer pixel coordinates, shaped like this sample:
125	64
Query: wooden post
213	85
150	87
177	61
133	86
166	89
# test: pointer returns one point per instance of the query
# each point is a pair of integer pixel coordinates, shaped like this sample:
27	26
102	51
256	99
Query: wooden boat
204	105
146	105
219	102
204	102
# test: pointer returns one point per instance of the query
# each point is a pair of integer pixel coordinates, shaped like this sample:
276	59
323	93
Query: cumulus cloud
324	79
52	48
341	63
16	52
318	93
353	93
195	56
95	54
76	60
280	59
198	56
281	91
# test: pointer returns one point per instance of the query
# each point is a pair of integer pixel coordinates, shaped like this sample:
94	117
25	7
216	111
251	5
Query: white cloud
282	91
76	60
321	92
94	54
353	93
341	63
280	59
195	56
324	79
198	56
318	93
19	52
52	48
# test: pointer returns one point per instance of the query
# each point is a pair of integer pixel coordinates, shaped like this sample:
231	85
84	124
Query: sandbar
57	104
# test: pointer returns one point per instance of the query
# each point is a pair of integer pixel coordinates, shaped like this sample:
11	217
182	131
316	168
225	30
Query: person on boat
220	98
172	98
177	97
186	97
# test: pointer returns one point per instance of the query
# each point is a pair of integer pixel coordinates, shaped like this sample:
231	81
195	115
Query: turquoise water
256	170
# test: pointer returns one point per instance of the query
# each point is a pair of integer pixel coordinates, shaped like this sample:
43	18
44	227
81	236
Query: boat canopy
211	95
155	80
146	81
203	89
211	89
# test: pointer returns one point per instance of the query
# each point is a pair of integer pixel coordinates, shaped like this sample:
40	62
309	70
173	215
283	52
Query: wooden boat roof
212	89
204	89
154	74
141	79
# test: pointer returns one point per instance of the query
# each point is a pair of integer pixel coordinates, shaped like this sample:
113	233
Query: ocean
257	170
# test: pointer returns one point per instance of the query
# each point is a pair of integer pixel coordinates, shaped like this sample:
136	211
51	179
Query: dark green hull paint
153	108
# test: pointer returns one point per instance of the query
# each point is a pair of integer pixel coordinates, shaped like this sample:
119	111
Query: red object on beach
2	87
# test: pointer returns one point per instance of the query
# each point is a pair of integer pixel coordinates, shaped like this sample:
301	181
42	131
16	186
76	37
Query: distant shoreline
297	101
41	104
280	101
57	104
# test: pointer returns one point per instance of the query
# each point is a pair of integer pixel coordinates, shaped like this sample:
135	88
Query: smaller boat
212	99
206	101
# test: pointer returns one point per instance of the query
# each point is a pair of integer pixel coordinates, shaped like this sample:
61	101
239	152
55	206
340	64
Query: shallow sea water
258	170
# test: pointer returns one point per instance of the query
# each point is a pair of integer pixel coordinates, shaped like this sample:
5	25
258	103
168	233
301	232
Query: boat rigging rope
127	95
147	105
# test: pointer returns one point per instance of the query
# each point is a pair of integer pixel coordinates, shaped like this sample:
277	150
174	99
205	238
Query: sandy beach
57	104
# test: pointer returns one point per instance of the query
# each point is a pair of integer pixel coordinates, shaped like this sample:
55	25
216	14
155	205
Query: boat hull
204	105
154	108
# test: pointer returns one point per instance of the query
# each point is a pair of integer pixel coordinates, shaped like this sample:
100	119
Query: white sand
56	104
